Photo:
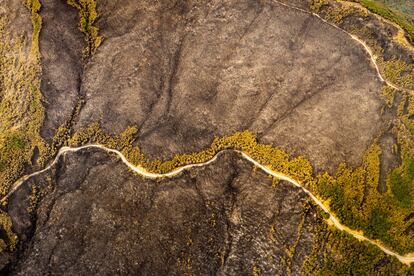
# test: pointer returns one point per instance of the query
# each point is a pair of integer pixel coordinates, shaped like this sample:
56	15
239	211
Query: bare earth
184	72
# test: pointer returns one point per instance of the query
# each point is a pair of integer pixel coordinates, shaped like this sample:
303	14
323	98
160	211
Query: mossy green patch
378	224
15	142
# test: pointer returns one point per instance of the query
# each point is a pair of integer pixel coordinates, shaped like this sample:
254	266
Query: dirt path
364	45
407	259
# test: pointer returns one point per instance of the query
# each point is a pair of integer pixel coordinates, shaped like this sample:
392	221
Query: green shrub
378	225
87	17
402	182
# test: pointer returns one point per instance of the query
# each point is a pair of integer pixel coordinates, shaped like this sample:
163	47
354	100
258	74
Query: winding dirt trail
407	259
364	45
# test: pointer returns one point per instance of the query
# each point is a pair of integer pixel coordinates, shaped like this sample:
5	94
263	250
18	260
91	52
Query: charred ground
183	72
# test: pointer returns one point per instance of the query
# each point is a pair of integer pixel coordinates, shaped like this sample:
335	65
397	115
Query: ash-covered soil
184	72
99	218
96	217
61	45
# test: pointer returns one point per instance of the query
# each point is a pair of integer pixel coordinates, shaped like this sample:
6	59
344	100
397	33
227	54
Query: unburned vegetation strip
21	109
87	18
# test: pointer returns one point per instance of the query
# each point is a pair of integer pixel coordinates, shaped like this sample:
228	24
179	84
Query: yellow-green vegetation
334	14
316	5
394	70
406	116
298	168
401	179
390	14
8	240
21	109
398	71
87	18
34	6
337	15
404	130
345	255
351	193
402	182
20	101
353	196
255	271
388	94
410	105
407	113
33	199
94	134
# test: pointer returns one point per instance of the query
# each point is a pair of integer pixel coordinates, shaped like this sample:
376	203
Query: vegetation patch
34	6
353	196
21	109
336	15
9	240
390	14
245	141
317	5
388	94
351	193
345	255
398	71
87	18
401	181
394	70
